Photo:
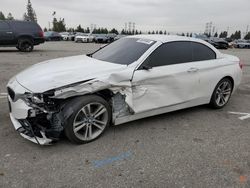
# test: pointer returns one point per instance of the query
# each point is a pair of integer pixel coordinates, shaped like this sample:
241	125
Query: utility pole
129	27
126	25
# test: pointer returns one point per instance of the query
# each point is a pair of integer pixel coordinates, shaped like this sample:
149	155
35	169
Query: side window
3	26
26	26
169	54
202	52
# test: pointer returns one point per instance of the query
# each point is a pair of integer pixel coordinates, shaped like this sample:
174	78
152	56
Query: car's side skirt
158	111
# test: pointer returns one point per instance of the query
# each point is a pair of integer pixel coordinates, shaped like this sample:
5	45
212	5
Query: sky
170	15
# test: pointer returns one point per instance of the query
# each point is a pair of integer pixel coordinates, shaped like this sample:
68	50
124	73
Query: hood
56	73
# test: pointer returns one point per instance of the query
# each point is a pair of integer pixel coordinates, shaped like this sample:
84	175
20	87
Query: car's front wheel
222	93
90	118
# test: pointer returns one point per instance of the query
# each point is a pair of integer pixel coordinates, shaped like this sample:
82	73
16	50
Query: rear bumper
38	41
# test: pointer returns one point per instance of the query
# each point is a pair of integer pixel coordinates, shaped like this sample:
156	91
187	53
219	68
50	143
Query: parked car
20	34
241	44
64	35
67	36
52	36
102	38
85	37
218	43
131	78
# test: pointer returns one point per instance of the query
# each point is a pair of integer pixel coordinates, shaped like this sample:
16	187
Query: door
210	70
6	34
166	78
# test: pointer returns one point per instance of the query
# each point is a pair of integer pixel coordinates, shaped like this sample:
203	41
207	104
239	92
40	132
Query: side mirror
146	67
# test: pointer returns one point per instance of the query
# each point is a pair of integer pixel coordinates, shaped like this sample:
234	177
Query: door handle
192	70
9	32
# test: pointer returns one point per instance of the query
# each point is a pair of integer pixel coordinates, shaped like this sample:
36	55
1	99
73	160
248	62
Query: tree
45	29
10	17
165	32
79	29
114	31
71	30
87	30
140	32
160	32
236	35
149	32
247	37
153	32
30	15
2	17
59	26
216	34
223	34
123	32
191	35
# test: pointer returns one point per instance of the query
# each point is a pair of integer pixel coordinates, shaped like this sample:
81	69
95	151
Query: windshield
124	51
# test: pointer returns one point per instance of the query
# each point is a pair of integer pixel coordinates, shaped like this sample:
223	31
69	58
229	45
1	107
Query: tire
86	125
25	45
221	94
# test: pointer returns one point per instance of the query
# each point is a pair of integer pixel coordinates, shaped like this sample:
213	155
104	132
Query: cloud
170	15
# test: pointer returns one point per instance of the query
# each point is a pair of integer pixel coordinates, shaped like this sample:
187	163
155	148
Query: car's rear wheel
222	93
91	116
25	45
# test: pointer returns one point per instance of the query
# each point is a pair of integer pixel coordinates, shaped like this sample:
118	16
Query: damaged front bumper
24	130
22	116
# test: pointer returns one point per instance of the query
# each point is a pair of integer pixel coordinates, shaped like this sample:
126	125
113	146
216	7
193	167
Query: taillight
40	33
241	64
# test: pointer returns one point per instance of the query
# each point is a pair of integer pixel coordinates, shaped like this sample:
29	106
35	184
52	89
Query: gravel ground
196	147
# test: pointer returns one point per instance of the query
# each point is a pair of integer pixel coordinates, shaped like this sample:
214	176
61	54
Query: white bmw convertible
131	78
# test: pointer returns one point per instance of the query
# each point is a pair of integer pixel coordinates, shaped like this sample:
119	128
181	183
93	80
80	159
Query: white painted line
243	115
3	97
4	94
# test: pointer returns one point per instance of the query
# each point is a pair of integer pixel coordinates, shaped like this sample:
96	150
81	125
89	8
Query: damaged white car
129	79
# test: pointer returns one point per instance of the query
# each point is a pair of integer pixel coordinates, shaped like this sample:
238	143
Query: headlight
36	99
33	98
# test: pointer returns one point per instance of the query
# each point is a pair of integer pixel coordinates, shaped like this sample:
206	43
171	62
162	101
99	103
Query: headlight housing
31	98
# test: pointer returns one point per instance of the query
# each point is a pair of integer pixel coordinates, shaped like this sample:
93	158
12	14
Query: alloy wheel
223	93
90	121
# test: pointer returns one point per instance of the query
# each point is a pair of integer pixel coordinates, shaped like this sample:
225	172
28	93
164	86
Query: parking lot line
243	115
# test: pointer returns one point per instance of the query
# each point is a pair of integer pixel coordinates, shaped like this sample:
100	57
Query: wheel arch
231	79
25	37
228	77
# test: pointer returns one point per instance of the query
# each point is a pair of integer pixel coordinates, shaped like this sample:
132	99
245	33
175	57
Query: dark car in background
52	36
218	43
23	35
104	38
101	38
